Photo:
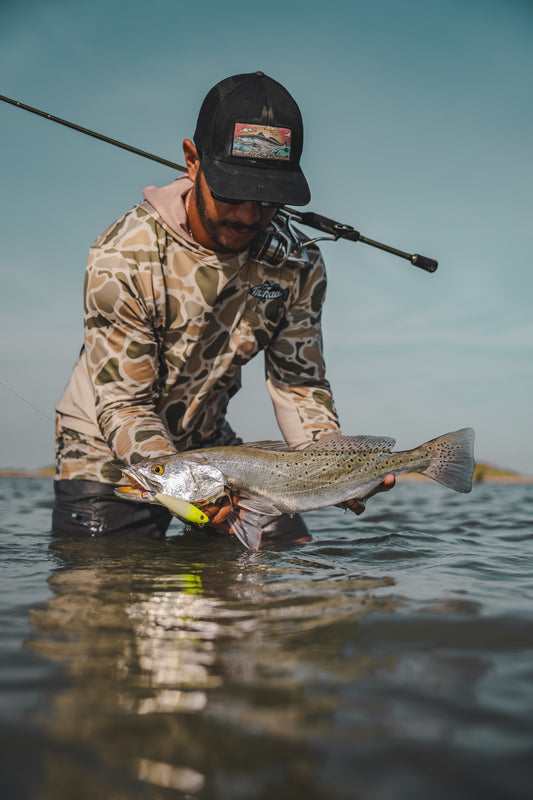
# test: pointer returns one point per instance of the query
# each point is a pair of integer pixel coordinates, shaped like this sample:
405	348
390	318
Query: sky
418	132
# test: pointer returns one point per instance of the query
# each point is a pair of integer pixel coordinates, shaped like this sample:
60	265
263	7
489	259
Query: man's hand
219	511
358	506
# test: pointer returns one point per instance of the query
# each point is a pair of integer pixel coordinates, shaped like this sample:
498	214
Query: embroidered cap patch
261	141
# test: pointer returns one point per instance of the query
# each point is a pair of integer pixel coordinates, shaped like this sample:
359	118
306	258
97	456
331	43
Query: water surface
389	658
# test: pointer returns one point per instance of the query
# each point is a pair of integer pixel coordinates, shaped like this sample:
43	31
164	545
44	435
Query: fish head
175	476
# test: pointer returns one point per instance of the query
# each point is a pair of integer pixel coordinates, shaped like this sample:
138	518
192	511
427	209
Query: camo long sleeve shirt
168	326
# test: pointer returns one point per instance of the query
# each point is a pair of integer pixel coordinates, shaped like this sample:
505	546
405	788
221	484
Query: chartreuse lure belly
183	509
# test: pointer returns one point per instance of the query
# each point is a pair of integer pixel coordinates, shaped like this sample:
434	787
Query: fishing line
20	397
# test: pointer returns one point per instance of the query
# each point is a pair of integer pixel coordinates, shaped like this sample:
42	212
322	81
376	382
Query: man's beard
214	228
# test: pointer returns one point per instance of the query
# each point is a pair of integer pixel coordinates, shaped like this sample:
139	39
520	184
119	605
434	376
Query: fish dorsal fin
266	444
334	442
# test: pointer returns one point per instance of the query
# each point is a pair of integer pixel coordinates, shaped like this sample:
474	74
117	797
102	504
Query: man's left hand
358	506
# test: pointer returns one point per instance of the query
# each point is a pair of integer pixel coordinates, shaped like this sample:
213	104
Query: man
175	306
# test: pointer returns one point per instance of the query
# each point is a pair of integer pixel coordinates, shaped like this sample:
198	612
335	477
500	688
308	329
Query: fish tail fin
452	459
246	525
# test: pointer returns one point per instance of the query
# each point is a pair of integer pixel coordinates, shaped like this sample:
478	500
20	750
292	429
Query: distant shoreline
14	472
412	477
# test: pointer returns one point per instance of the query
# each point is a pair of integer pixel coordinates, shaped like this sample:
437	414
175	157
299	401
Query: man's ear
191	159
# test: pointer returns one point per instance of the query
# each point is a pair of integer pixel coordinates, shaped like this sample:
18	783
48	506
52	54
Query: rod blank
94	134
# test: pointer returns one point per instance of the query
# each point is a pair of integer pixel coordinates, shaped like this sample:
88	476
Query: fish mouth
134	493
140	487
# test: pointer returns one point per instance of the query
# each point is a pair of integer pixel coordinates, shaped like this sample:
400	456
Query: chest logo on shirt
268	291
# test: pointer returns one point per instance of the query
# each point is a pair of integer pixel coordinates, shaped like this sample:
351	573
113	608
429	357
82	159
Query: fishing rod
280	242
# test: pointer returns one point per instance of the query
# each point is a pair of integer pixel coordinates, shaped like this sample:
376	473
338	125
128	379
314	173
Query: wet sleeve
296	374
122	353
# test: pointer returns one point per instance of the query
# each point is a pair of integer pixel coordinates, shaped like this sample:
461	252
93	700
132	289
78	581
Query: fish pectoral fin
229	495
246	525
333	442
256	504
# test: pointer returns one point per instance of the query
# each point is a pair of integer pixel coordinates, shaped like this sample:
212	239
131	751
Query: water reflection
191	666
193	669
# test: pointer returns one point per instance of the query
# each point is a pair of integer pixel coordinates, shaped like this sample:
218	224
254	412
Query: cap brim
243	182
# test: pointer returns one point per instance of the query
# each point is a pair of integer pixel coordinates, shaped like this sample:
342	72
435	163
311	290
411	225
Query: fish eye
158	469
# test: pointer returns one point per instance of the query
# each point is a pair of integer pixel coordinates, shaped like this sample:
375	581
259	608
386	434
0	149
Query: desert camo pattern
168	326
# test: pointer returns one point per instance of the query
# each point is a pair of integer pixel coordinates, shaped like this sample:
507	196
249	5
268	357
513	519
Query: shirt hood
169	203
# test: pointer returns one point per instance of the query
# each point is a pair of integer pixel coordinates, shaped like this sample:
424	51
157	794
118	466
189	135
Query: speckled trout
269	478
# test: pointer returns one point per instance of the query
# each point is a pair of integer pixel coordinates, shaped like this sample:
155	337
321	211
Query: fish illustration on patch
261	141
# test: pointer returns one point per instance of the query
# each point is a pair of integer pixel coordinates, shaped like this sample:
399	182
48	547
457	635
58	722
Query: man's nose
249	212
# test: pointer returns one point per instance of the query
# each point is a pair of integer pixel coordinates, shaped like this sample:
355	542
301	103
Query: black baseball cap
249	138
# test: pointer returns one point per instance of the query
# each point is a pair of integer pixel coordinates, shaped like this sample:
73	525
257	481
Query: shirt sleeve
296	375
122	350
